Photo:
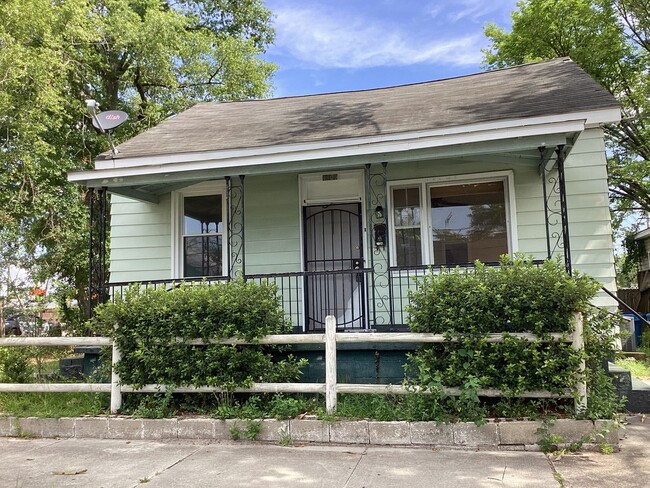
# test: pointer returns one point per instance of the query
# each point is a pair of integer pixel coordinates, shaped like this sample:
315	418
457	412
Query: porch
362	239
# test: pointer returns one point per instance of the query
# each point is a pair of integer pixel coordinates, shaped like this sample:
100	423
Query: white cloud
321	39
477	10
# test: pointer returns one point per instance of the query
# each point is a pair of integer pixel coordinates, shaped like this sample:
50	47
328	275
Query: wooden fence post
116	389
330	363
579	344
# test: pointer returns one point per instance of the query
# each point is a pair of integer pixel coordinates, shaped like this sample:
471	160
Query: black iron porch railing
119	288
309	296
404	279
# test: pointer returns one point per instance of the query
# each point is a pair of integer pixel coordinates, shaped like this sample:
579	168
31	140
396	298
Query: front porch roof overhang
513	141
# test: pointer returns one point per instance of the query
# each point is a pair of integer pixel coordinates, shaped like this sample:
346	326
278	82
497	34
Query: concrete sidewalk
113	463
629	468
181	463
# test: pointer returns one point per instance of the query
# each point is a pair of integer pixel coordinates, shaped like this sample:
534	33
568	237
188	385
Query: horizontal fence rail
330	388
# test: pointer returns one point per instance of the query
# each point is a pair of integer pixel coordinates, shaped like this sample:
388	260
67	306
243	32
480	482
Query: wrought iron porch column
561	154
555	204
380	289
97	279
235	245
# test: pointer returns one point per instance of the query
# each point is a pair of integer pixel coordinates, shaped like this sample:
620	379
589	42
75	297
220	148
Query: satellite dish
109	119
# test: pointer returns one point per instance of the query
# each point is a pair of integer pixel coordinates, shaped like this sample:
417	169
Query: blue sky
336	45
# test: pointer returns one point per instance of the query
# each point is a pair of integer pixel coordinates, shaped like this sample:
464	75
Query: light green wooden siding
140	240
272	224
589	218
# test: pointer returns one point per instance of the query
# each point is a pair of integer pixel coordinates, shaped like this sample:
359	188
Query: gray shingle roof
548	88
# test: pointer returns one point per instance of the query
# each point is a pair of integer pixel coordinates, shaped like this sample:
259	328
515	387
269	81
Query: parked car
12	326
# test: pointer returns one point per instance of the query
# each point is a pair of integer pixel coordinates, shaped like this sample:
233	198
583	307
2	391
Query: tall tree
610	40
150	58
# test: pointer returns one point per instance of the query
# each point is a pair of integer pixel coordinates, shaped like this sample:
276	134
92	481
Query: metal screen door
333	250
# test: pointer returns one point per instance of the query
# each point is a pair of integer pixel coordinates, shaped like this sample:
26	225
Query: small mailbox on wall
380	235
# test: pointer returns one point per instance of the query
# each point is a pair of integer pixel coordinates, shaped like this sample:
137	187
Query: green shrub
146	323
600	342
16	365
518	296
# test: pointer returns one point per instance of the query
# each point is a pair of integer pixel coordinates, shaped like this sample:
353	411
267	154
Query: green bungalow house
342	199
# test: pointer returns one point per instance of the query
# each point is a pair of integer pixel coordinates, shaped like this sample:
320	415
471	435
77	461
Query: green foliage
54	405
628	265
285	438
600	342
250	430
519	296
235	432
639	368
557	445
610	40
15	365
146	325
150	58
253	428
156	406
286	406
645	342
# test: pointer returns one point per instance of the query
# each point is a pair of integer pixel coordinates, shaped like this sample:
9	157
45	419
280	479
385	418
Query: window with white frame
407	222
200	232
451	222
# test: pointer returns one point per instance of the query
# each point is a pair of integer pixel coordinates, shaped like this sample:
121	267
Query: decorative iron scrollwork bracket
235	200
555	203
380	289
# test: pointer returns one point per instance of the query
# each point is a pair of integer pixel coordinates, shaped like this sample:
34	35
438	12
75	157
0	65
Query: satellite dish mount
106	121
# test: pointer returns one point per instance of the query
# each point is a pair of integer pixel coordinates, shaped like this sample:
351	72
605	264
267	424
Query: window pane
408	247
202	256
468	223
202	215
406	206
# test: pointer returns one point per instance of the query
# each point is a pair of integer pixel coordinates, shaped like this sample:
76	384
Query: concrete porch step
636	391
639	399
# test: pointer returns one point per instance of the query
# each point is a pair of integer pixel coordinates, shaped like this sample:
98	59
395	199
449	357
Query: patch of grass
236	432
253	428
639	369
285	438
605	448
53	405
250	430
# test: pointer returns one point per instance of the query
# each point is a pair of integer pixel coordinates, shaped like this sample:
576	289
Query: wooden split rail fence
330	388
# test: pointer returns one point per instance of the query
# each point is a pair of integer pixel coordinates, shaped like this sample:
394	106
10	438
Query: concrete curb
508	435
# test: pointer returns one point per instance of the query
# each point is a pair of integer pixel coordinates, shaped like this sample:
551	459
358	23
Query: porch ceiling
151	182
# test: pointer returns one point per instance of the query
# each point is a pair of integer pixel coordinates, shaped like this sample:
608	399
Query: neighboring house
343	198
643	277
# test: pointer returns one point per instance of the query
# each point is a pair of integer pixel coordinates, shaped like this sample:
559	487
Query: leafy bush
600	341
15	365
519	296
146	324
